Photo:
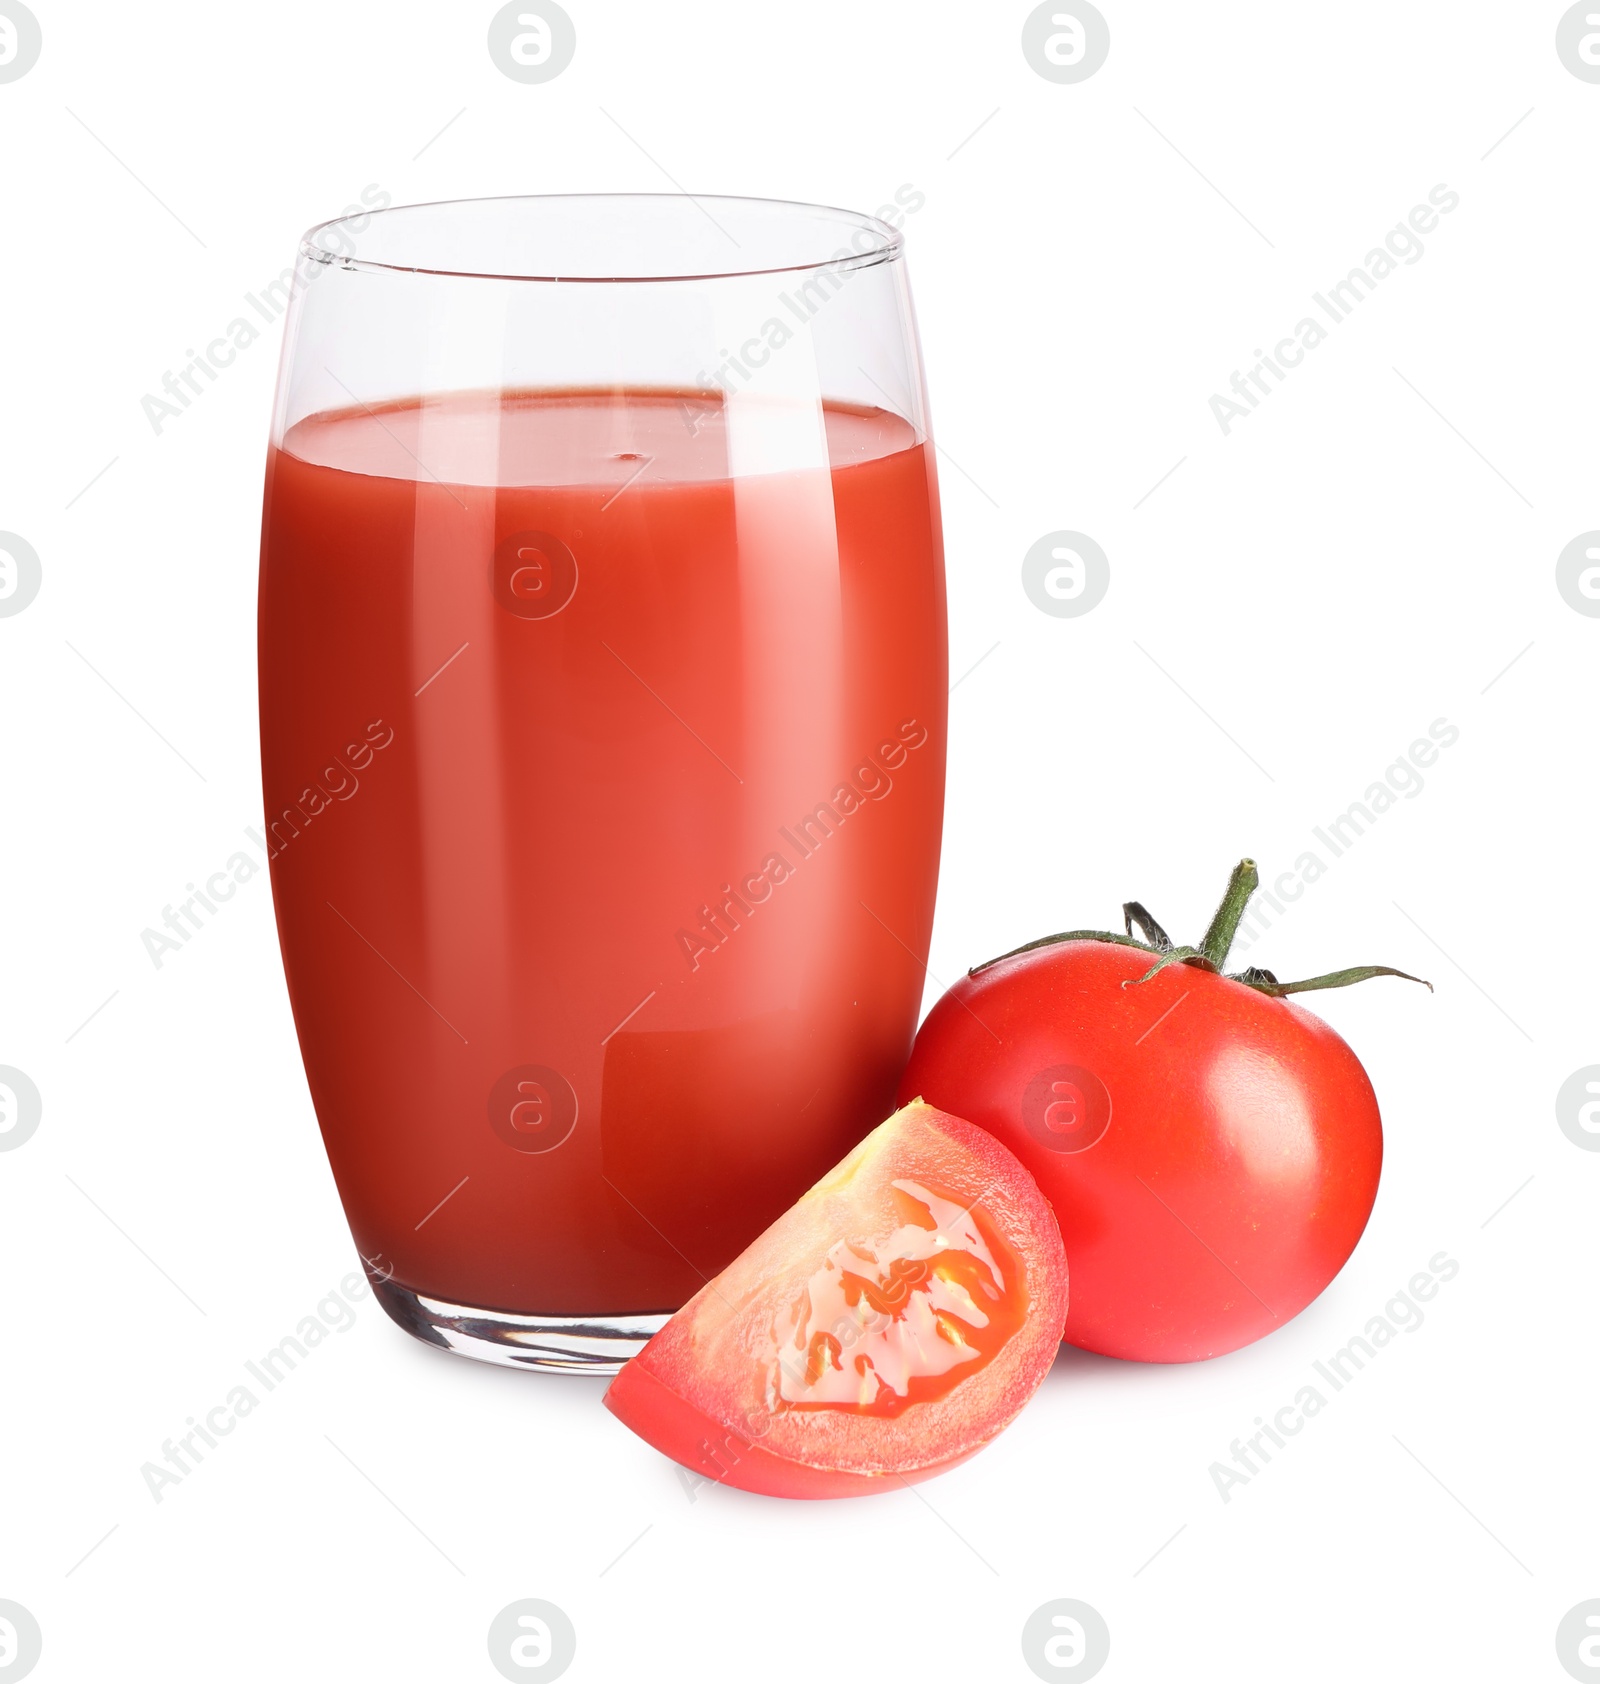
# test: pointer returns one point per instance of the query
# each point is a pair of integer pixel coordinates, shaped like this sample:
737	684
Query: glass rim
888	247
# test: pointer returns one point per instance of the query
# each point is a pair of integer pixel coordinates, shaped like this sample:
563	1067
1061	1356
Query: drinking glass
603	687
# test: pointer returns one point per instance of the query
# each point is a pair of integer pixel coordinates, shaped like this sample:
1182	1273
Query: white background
1322	584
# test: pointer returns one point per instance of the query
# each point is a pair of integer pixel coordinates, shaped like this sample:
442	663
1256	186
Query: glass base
558	1344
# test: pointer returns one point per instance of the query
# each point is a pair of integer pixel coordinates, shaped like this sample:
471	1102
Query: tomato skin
1237	1167
641	1399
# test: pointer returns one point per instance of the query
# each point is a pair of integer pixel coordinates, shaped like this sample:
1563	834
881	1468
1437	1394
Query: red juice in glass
603	760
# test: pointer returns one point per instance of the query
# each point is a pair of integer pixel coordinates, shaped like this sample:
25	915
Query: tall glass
603	684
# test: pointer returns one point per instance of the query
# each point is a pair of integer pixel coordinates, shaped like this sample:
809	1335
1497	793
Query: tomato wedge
885	1328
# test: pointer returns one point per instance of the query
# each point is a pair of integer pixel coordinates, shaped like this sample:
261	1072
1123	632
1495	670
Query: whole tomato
1211	1150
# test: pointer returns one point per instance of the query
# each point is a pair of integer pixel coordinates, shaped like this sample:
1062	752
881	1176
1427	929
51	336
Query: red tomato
885	1328
1212	1153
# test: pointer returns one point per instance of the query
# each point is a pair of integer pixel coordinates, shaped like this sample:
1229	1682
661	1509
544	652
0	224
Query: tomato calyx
1212	953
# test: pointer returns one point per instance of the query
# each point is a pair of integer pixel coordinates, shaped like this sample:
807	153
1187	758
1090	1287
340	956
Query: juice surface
603	757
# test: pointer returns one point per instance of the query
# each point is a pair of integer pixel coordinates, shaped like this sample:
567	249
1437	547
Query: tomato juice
618	944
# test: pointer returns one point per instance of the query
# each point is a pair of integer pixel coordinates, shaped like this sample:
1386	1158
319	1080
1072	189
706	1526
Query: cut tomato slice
885	1328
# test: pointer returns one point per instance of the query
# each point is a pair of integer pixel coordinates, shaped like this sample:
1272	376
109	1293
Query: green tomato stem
1225	920
1267	983
1134	913
1051	941
1212	953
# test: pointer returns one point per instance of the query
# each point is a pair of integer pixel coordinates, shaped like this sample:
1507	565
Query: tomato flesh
899	1318
886	1327
1212	1154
